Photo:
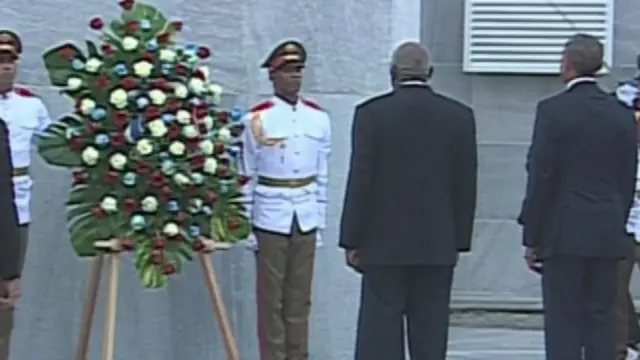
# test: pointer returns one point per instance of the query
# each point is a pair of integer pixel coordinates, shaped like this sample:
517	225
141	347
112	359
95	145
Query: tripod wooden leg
109	339
219	309
89	309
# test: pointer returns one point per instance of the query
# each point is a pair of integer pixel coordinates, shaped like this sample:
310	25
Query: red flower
96	23
222	171
68	53
201	112
117	140
76	143
203	52
132	26
169	269
181	69
198	74
166	192
121	119
102	82
148	57
111	177
175	105
157	179
211	197
157	257
218	148
223	117
98	212
202	127
233	223
107	49
79	176
127	4
243	180
160	83
192	144
127	244
94	127
163	38
197	161
174	131
142	168
152	112
177	25
199	246
159	242
128	83
129	206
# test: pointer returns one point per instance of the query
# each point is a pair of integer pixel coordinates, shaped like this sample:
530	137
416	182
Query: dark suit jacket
581	175
9	241
411	190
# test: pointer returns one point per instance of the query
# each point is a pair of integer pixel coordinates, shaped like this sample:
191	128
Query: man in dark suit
582	168
408	210
10	247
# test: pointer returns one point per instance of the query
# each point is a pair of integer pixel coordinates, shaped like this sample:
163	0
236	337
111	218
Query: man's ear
429	72
393	73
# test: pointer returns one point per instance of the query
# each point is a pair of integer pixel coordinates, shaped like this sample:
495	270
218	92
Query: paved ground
495	344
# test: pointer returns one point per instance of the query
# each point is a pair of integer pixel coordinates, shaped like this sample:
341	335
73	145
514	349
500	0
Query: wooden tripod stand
113	263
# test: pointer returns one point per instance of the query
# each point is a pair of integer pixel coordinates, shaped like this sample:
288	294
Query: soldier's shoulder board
22	91
312	104
264	105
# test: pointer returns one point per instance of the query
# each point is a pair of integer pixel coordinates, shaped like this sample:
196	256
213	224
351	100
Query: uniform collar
580	80
282	101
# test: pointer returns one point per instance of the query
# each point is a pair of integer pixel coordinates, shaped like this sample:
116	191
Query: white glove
319	242
251	243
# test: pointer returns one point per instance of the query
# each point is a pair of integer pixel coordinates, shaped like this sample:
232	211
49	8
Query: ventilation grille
527	36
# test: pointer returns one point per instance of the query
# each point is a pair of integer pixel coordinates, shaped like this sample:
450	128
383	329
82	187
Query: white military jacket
25	115
285	155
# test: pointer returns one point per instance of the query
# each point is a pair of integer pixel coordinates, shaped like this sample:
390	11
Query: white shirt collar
582	79
413	82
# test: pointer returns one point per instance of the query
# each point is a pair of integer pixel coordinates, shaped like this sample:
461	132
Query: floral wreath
151	152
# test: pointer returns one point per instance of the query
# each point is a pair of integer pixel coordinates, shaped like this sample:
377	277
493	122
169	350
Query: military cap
10	42
286	52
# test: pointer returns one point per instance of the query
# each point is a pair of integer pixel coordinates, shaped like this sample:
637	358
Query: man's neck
290	99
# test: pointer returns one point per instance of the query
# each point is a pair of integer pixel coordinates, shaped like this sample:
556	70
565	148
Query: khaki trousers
284	280
6	315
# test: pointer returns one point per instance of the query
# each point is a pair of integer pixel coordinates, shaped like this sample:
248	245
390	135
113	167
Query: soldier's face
8	67
288	78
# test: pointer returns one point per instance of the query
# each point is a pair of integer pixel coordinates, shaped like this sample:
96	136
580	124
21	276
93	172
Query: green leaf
157	20
152	277
53	144
92	49
84	231
59	67
117	28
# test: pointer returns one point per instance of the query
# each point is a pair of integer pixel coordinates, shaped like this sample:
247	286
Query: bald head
583	54
410	61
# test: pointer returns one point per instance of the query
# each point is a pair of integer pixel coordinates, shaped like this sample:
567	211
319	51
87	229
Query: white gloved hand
251	242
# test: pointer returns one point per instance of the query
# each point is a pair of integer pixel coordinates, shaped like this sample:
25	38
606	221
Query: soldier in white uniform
286	147
25	115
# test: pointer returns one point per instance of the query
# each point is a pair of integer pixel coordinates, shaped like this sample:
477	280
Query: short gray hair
411	60
585	53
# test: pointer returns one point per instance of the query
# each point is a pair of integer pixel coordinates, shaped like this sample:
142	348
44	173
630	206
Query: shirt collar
283	101
578	80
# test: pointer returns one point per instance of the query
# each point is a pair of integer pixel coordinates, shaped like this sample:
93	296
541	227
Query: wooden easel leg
89	309
109	336
219	309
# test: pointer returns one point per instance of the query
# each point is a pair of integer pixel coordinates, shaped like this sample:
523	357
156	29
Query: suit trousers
7	315
579	295
284	266
626	320
393	294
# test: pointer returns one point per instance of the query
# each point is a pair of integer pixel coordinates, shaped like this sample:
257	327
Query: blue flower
224	188
145	24
129	179
164	155
194	230
138	222
191	47
168	118
102	139
168	167
142	102
167	68
207	210
135	130
98	114
173	206
236	114
77	64
198	179
195	101
152	45
121	69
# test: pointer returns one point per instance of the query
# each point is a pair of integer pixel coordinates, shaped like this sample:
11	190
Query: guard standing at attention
25	115
286	148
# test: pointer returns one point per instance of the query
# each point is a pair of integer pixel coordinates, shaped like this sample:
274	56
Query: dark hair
585	54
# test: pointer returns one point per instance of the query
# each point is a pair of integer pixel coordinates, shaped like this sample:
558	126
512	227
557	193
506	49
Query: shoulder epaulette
312	104
24	92
267	104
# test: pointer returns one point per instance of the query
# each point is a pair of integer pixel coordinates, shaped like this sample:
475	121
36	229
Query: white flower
158	97
190	131
177	148
129	43
157	128
149	204
144	147
181	179
74	83
90	156
208	122
119	98
171	229
118	161
210	165
181	91
207	147
196	85
224	134
143	69
167	55
183	117
205	72
216	92
87	106
92	65
109	204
